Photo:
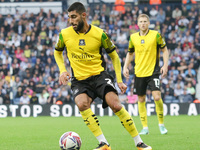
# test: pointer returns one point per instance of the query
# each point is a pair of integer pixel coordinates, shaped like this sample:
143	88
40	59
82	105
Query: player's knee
157	98
116	107
83	106
141	98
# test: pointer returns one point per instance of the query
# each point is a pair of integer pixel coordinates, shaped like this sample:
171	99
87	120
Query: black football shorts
95	86
141	84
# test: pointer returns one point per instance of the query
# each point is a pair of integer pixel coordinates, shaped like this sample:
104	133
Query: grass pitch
43	133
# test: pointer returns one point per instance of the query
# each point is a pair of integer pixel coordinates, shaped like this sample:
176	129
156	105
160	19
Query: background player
146	45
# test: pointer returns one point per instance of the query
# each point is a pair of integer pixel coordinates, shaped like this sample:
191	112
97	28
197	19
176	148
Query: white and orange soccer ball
70	141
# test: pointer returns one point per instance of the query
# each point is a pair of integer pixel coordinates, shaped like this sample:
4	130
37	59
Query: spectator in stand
9	77
191	90
185	97
95	21
133	27
178	91
40	84
1	20
146	10
161	15
177	13
7	99
168	94
34	99
60	97
6	26
153	14
113	14
43	97
97	11
29	92
106	10
149	96
68	99
103	18
51	99
23	41
19	28
5	69
3	53
183	65
27	52
16	83
190	70
122	41
32	85
136	11
128	11
24	99
132	98
173	72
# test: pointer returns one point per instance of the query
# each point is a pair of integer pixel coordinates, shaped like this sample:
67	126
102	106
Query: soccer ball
70	141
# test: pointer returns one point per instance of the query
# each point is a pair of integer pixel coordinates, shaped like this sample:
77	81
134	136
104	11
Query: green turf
43	133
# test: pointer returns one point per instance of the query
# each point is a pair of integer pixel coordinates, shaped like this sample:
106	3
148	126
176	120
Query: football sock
92	122
137	139
101	138
143	113
127	122
159	111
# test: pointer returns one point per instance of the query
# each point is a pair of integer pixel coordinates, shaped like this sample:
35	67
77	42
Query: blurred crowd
29	74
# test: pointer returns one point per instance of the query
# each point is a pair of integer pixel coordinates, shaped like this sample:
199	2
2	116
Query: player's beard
79	26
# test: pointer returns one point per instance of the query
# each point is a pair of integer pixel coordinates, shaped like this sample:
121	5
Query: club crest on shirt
81	42
142	41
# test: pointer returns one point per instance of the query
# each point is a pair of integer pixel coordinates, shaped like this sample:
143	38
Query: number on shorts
110	82
157	82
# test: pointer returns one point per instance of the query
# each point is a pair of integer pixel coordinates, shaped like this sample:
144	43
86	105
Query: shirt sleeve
117	65
107	44
58	54
131	47
160	41
60	45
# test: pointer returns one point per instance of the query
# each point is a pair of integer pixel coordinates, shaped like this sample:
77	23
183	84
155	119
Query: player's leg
125	118
83	101
159	110
154	84
143	114
140	86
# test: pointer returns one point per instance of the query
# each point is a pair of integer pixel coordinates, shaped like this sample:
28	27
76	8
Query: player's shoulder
96	28
154	32
134	34
67	30
96	31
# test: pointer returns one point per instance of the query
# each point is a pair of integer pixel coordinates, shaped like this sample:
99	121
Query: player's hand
122	87
64	78
163	71
126	72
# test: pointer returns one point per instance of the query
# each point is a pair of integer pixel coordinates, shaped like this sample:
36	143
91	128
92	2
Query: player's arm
110	49
164	68
58	55
129	58
117	65
162	44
